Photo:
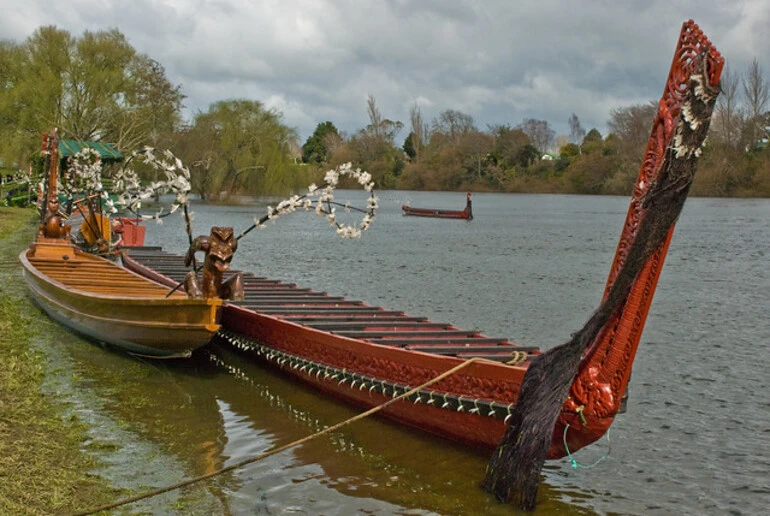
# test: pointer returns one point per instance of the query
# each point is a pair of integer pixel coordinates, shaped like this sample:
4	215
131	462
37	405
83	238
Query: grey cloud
498	60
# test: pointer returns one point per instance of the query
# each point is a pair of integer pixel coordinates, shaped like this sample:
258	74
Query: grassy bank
42	467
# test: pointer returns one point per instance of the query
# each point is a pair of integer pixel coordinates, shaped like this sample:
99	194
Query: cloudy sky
500	61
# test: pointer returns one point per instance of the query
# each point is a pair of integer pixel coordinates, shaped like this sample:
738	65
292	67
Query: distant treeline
98	87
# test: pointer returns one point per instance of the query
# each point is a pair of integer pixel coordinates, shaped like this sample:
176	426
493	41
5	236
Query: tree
527	155
159	103
374	147
540	133
246	150
631	125
453	124
375	141
576	131
592	136
570	150
96	87
474	147
321	143
590	174
380	129
726	121
32	100
409	146
508	145
756	91
13	145
592	142
375	118
419	132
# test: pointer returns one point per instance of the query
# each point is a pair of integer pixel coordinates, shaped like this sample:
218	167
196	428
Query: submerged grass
43	469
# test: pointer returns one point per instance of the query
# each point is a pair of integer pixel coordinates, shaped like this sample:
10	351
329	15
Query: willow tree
92	87
243	148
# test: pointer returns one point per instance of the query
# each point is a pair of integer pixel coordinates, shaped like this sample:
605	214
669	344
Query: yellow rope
518	358
264	455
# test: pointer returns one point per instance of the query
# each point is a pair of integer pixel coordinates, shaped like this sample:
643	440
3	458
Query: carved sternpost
52	225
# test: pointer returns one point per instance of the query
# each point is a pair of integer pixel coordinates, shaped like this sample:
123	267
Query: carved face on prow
222	246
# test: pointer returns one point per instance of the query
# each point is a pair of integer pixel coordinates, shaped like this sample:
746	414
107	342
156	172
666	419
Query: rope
575	464
519	357
275	451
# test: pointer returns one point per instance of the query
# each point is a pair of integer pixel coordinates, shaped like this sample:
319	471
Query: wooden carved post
52	225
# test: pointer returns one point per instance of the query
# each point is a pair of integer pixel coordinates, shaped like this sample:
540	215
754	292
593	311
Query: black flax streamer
513	473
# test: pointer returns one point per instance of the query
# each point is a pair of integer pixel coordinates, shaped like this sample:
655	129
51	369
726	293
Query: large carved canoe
368	355
105	302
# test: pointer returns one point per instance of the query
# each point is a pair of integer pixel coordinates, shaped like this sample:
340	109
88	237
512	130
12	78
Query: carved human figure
219	248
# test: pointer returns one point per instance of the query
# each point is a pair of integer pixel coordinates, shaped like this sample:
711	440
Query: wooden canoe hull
469	407
365	355
144	324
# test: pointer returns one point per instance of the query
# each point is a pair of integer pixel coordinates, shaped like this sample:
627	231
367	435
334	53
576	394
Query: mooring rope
256	458
575	464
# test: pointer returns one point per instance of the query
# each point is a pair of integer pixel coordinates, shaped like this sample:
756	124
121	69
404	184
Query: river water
528	267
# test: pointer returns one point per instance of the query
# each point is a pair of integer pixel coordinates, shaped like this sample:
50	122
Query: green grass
43	469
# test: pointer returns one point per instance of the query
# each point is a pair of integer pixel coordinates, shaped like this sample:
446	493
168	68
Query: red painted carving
603	378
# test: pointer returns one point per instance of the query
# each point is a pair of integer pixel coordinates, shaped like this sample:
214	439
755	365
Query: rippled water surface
530	268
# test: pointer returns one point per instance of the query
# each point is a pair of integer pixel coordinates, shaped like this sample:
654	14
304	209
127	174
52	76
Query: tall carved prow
606	367
572	392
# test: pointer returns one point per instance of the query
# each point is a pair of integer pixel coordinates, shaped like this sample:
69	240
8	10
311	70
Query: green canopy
106	151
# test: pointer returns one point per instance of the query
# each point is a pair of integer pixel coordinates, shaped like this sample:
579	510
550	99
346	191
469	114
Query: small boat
102	300
105	302
466	214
